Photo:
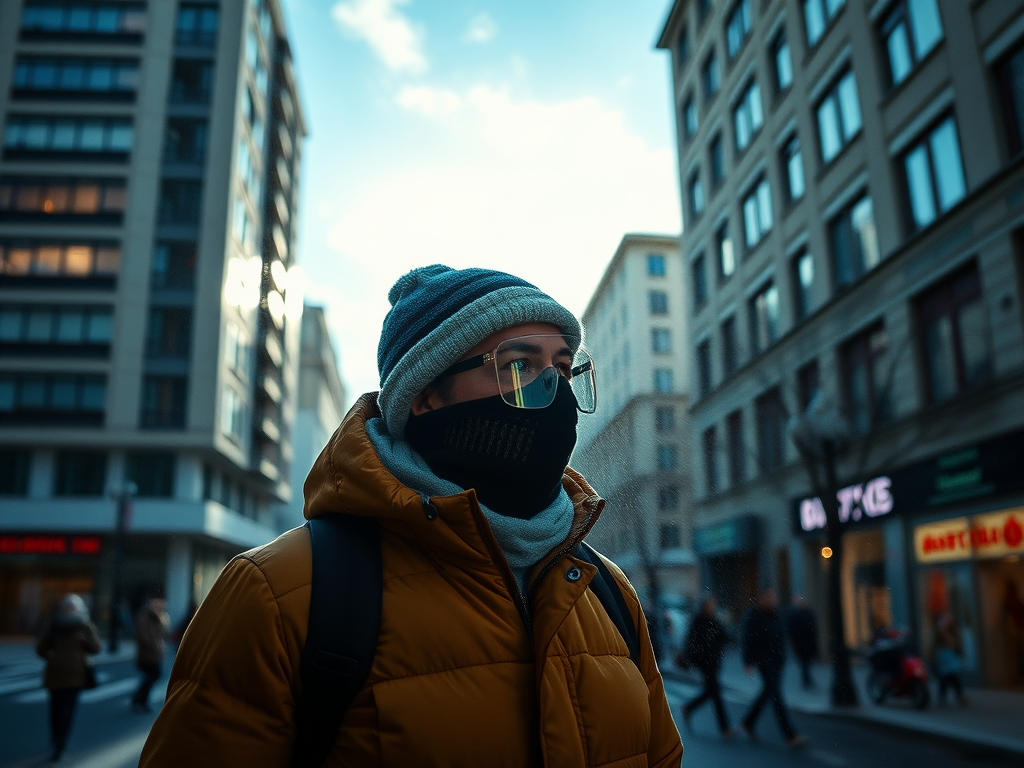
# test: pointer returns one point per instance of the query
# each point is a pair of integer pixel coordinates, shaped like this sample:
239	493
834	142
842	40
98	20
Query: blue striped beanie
437	315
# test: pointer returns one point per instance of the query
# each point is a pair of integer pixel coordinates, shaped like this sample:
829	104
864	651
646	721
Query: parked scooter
896	673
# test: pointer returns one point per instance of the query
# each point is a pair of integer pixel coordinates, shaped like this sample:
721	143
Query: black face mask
513	457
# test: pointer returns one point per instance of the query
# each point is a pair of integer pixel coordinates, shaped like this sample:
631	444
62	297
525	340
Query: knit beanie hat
437	315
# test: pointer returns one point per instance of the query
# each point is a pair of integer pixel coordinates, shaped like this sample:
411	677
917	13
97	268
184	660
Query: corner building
149	303
853	200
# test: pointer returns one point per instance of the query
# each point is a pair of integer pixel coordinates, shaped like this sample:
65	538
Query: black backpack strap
344	622
609	594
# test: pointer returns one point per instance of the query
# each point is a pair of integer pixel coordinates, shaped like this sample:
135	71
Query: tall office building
634	447
853	198
149	303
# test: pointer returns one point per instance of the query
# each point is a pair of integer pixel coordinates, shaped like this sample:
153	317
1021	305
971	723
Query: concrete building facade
853	199
149	303
634	448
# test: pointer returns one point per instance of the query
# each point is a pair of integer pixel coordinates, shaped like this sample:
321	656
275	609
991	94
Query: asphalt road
107	734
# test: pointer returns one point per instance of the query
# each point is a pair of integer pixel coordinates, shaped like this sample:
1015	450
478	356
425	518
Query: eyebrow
523	346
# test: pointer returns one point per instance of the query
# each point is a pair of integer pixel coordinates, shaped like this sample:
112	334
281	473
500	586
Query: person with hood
764	648
66	644
151	628
704	650
491	649
803	637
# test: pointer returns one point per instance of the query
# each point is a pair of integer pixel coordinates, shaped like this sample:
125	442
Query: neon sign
871	499
49	544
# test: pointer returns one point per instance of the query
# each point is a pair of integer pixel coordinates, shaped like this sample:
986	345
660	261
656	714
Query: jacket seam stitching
277	595
574	698
278	625
447	670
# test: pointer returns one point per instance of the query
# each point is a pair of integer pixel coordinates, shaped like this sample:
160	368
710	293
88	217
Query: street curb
943	733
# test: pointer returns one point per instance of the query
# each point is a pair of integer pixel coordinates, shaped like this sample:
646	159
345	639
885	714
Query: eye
519	364
564	370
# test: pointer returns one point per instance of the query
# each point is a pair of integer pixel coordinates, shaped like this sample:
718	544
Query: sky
524	136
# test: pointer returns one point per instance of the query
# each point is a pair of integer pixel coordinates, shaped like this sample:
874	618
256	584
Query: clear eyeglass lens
528	369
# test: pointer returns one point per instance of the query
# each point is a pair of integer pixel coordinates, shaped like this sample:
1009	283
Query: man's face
481	382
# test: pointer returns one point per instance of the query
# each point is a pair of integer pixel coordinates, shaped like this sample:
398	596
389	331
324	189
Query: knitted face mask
513	457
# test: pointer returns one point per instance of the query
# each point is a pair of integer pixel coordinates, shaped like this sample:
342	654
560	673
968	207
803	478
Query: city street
107	734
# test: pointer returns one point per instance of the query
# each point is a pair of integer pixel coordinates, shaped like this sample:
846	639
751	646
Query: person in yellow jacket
492	650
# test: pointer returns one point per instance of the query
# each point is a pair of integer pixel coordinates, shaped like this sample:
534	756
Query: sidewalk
993	718
22	670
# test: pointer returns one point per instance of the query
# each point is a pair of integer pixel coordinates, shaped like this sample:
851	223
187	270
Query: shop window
737	449
174	264
954	335
839	119
793	163
78	261
667	458
196	25
664	419
782	61
700	281
854	242
757	212
704	382
730	346
909	32
818	14
152	472
933	172
802	271
771	430
764	318
711	78
867	375
658	302
163	402
80	473
709	445
670	536
14	469
737	28
747	116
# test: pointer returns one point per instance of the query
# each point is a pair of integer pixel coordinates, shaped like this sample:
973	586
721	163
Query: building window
934	173
664	419
730	346
28	198
757	213
716	156
670	536
747	116
703	9
185	140
112	79
854	242
58	399
152	473
709	443
197	25
771	430
666	458
803	283
1009	75
700	282
690	122
704	367
163	402
683	48
818	14
954	335
764	318
793	162
82	20
663	380
868	379
14	469
236	353
232	414
80	473
191	81
169	333
655	265
45	329
174	265
76	138
910	31
696	195
737	28
661	341
808	383
838	117
180	201
711	77
668	499
726	257
658	302
56	261
737	450
783	62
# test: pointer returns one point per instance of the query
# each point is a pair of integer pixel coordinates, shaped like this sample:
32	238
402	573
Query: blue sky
524	136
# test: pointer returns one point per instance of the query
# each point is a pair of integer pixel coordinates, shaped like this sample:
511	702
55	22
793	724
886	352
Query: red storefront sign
990	535
49	544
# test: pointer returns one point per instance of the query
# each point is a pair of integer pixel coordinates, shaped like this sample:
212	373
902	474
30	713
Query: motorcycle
896	673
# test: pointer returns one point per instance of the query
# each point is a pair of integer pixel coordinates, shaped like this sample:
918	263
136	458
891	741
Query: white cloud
482	29
391	35
428	101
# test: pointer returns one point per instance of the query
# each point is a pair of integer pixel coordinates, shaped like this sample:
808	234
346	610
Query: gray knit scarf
524	542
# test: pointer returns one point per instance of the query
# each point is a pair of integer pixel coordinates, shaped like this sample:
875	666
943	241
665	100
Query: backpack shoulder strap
609	593
344	622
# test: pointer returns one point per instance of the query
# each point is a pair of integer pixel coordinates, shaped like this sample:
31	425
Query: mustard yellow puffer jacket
458	679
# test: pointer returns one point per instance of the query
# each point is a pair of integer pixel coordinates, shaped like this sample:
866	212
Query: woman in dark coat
703	650
66	645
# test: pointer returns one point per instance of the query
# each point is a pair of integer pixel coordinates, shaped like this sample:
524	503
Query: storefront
729	561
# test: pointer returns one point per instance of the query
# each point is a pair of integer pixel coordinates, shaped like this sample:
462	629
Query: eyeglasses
527	369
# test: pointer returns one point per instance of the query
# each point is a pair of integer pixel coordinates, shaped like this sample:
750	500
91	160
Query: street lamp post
819	436
123	496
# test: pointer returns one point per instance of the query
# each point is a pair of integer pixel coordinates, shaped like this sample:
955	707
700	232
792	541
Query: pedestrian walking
501	639
946	657
802	627
704	650
151	628
764	649
66	644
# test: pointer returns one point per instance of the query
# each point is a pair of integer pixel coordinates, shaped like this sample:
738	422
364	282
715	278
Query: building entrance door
1001	591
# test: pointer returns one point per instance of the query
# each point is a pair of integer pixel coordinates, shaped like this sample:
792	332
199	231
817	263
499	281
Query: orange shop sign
943	541
998	533
990	535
